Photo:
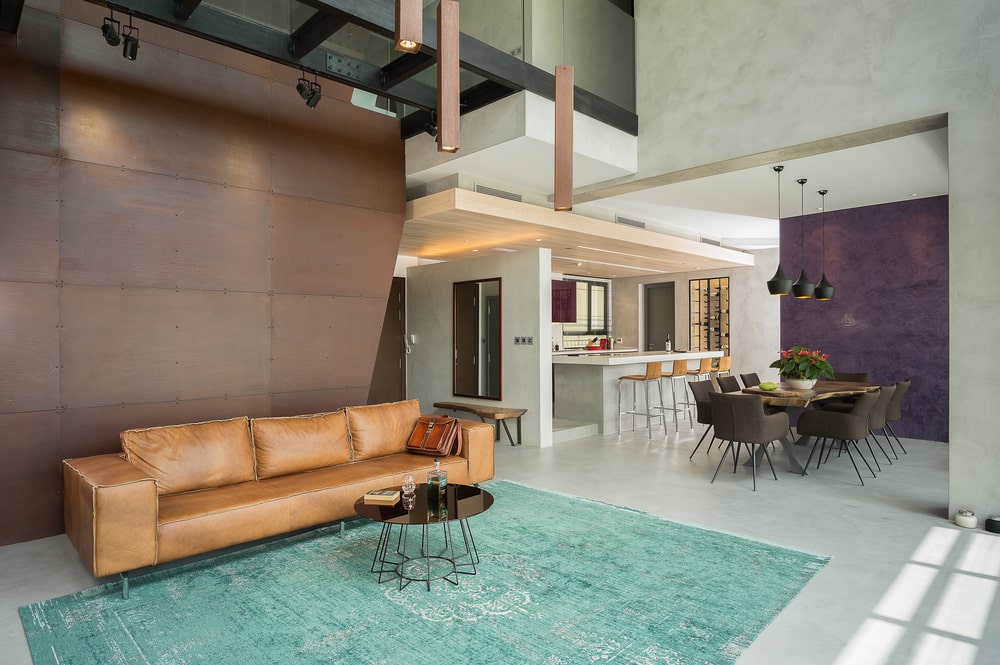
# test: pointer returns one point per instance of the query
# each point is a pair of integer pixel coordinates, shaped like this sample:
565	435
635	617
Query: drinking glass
409	484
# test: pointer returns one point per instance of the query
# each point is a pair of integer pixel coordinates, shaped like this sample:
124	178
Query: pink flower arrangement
800	362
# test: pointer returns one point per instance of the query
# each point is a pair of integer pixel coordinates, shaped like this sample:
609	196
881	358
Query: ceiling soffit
459	224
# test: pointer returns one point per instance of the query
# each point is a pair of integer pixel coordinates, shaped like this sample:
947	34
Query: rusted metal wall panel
29	347
94	431
104	122
123	345
30	480
29	217
322	342
29	69
341	165
327	248
155	181
143	229
316	401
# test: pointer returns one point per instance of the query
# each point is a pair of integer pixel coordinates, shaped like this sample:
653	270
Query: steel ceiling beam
314	31
10	15
185	8
234	32
403	67
502	69
480	58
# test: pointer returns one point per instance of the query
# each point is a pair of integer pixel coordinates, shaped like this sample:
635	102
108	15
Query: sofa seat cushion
194	456
363	476
381	429
299	443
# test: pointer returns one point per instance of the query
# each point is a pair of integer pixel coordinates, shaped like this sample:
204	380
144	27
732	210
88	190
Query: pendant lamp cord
563	37
823	195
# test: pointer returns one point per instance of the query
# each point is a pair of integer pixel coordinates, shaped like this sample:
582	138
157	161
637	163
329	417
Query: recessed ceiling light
913	195
475	250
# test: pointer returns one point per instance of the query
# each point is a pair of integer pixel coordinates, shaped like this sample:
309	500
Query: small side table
398	555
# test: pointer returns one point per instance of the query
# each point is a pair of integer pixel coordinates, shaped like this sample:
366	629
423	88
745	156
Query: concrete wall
722	80
526	310
753	319
599	43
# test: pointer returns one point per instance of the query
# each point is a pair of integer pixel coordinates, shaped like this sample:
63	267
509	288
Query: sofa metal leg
124	576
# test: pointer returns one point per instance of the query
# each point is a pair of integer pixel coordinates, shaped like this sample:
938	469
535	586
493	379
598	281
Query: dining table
792	401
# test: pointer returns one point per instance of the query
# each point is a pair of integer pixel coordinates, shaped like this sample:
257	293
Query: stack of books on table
382	497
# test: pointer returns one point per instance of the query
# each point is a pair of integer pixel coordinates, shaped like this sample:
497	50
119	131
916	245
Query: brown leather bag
435	435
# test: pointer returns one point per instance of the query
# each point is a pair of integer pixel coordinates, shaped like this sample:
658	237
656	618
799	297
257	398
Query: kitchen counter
585	383
594	352
627	357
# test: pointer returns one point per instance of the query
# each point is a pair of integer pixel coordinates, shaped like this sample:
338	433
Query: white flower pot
800	384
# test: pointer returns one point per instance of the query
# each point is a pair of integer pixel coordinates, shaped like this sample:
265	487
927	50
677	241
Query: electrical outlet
517	340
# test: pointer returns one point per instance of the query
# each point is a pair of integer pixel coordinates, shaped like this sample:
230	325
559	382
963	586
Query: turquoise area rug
561	580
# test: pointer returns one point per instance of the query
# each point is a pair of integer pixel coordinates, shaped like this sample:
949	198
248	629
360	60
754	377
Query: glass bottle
437	487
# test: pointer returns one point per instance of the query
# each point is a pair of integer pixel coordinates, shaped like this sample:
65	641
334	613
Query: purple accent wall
889	315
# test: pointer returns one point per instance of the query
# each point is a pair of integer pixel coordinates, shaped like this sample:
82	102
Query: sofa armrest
477	447
110	513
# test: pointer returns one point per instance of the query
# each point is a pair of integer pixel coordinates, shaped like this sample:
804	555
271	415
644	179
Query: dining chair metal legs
736	459
889	426
709	448
844	446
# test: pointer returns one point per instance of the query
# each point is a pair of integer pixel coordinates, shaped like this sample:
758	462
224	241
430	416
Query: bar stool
704	370
654	371
724	367
679	372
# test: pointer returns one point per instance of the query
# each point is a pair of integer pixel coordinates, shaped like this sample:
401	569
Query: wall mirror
476	339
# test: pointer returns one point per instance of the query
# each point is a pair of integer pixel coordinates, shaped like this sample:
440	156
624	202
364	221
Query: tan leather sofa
183	490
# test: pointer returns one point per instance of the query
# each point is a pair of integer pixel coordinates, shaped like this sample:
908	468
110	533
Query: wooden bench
497	413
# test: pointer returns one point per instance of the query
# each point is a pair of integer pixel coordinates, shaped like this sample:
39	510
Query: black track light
303	89
315	94
130	34
112	30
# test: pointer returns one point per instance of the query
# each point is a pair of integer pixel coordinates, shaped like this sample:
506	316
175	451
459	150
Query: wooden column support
563	183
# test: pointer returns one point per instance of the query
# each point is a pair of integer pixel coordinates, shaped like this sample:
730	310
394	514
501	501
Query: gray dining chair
876	421
894	412
846	428
739	419
703	410
728	384
750	379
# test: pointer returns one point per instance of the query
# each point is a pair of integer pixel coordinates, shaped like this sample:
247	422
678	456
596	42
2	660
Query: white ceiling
738	208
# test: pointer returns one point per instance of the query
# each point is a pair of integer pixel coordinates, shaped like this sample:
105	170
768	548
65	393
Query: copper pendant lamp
562	199
409	25
779	285
449	90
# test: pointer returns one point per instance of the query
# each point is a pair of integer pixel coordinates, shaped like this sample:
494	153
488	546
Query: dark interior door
659	315
389	376
492	343
466	335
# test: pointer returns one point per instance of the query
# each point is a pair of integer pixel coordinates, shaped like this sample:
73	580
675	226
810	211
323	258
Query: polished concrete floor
904	586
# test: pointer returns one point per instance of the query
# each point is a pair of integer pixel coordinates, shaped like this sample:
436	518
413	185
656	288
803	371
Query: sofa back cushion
381	429
299	443
194	456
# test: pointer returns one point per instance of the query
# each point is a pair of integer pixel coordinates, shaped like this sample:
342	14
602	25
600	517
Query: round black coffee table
399	555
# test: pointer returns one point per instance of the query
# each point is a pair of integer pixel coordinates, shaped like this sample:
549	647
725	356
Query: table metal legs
399	555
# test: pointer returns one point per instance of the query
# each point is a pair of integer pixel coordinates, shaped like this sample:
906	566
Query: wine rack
709	300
